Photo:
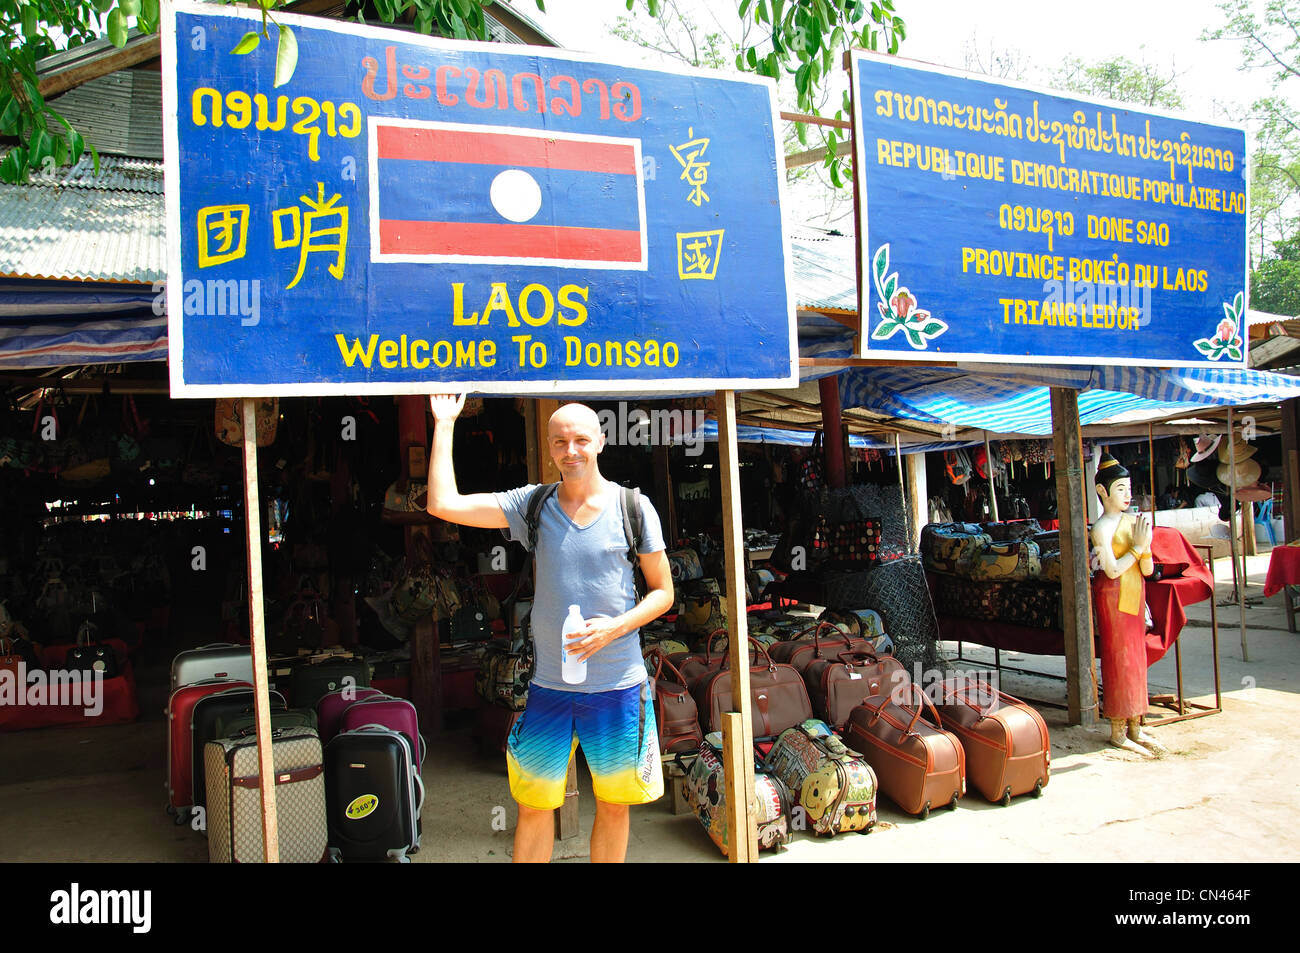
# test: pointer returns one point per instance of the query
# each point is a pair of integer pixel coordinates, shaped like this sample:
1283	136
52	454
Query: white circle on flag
516	195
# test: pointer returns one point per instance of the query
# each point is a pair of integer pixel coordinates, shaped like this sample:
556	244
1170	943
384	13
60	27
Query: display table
109	701
1283	573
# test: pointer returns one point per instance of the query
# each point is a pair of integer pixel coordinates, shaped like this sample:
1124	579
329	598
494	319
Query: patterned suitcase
219	660
373	794
235	799
180	740
952	547
918	765
1008	750
706	794
1007	562
206	715
835	789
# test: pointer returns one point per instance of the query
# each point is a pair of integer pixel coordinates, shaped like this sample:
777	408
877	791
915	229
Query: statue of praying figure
1122	546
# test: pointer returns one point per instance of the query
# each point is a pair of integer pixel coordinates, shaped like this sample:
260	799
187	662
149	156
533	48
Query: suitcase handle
916	715
850	658
754	643
958	694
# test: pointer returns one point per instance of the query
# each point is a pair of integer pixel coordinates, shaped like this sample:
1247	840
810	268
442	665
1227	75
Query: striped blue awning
57	323
1016	398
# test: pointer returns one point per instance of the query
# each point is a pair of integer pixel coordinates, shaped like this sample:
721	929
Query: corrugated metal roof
825	269
120	113
116	173
81	232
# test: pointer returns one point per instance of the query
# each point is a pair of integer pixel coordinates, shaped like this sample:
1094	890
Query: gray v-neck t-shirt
586	566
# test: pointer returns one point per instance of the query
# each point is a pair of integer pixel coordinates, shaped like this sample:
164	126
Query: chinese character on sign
697	254
223	233
323	228
694	170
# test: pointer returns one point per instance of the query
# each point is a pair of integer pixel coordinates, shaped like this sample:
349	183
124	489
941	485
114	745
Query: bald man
581	560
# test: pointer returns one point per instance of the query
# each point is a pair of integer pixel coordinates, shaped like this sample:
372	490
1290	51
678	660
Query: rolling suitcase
220	660
835	789
1008	750
180	740
706	793
777	697
330	708
389	712
919	766
207	712
373	795
235	799
837	686
238	724
825	641
310	682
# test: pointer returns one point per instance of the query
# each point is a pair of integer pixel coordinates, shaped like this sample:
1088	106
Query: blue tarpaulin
58	323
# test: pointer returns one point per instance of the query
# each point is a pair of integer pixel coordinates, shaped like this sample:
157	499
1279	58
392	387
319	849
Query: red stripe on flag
397	237
491	148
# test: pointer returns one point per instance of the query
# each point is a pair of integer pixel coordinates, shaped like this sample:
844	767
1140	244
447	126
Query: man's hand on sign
446	406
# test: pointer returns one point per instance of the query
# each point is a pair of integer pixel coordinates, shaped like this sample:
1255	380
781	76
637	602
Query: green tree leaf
247	43
129	8
117	28
286	57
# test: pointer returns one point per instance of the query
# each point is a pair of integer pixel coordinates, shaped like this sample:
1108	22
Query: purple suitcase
389	712
330	708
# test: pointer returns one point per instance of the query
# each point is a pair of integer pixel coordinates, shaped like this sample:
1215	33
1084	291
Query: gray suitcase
235	800
220	660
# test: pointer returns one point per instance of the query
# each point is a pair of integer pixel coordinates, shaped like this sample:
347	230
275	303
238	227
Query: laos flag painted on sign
449	192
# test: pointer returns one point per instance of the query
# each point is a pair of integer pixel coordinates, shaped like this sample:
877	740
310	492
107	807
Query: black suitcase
373	795
310	682
208	711
242	723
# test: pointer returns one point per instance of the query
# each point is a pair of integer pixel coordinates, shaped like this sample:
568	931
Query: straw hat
1248	472
1240	446
1205	446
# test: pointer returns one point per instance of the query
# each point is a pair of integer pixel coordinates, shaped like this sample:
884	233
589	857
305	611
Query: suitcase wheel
925	811
952	805
1038	788
179	818
1006	798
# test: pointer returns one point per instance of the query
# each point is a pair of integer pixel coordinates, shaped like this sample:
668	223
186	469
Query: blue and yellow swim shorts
618	736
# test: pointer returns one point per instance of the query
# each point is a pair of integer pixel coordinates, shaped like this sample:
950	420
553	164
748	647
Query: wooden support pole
918	497
832	429
1076	598
738	748
665	504
426	661
1238	565
1151	469
257	638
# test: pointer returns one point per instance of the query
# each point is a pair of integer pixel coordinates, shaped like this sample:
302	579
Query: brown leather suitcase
777	697
919	766
821	641
1008	750
692	665
839	685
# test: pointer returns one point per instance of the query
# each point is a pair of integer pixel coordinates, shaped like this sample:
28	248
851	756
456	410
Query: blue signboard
1000	223
408	213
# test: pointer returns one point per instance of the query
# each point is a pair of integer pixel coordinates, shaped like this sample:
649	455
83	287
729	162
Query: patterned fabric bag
1008	561
685	564
703	608
505	671
812	471
706	792
835	789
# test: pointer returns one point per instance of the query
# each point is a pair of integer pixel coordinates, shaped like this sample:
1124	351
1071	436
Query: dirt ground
1227	792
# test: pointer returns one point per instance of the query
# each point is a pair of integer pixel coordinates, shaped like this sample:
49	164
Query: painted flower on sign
897	307
1227	339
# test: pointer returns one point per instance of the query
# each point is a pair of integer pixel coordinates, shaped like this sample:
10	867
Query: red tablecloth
1166	597
109	701
1283	569
1002	635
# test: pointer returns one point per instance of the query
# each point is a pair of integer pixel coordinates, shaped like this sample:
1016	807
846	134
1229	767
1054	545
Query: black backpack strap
632	525
533	512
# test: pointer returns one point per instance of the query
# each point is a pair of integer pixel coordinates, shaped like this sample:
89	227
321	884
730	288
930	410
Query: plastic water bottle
573	671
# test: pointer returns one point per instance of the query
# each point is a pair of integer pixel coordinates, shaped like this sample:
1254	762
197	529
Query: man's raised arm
445	501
